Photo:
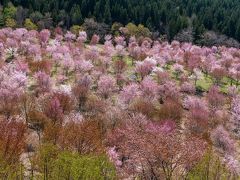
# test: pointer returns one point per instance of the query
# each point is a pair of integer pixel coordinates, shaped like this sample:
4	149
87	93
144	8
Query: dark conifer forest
163	16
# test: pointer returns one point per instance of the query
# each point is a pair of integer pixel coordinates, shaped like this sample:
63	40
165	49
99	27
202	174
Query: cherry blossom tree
215	98
149	88
235	116
12	88
106	86
129	92
145	67
222	140
148	151
44	35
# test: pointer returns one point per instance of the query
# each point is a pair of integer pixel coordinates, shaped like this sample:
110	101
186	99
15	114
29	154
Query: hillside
73	109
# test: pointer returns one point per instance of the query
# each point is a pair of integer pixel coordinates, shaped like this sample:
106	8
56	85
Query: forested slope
165	16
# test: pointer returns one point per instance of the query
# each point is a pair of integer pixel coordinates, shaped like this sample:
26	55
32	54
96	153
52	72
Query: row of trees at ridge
166	17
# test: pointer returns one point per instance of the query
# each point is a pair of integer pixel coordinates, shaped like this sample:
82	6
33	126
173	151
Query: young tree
12	88
235	116
43	82
44	35
84	137
149	88
129	92
69	165
215	98
106	86
12	143
198	117
145	67
222	140
81	90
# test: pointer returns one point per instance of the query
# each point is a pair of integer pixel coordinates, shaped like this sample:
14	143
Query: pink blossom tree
215	98
106	86
149	88
149	151
144	68
12	88
44	35
222	140
235	116
129	92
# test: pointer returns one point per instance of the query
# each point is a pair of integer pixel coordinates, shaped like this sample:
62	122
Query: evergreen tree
107	13
76	16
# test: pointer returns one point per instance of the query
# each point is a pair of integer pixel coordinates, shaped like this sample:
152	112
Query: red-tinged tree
232	92
226	63
12	144
119	66
27	105
151	152
81	90
43	66
198	121
58	31
95	107
43	83
66	102
171	109
83	137
95	39
92	54
218	73
37	121
134	50
198	116
143	106
215	98
53	110
192	61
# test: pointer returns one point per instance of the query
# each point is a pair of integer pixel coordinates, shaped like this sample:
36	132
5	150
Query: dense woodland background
164	17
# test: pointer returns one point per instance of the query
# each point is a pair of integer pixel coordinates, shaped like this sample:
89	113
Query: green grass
205	83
